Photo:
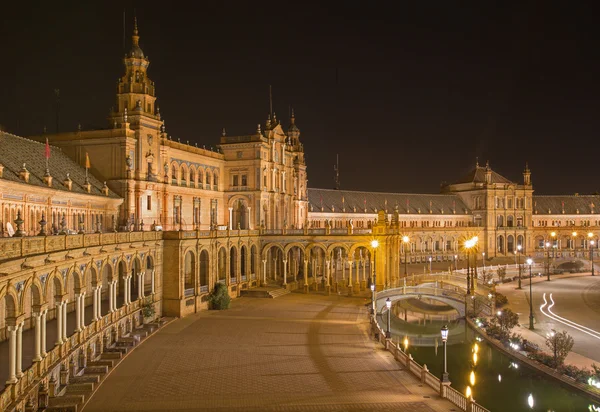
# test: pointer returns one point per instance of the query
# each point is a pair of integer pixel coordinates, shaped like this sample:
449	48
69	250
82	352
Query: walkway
294	353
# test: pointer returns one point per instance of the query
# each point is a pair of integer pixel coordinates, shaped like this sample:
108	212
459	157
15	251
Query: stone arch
174	173
244	261
222	264
11	306
268	246
75	278
192	174
510	244
184	174
539	242
136	268
208	178
334	246
200	172
150	273
510	221
204	269
122	274
216	179
240	212
107	277
189	272
233	263
520	241
500	244
253	257
500	221
289	246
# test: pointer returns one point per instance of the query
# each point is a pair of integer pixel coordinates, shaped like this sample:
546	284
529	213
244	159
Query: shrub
148	308
501	300
219	298
501	273
560	343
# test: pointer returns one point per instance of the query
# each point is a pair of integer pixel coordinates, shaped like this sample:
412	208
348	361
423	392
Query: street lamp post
530	263
374	245
468	246
372	298
548	260
455	267
590	235
430	271
405	239
574	245
445	377
388	304
592	255
483	253
519	247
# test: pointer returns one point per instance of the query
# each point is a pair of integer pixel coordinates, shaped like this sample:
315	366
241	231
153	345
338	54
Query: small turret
527	175
488	173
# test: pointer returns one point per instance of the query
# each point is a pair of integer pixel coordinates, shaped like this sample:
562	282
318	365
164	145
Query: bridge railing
423	374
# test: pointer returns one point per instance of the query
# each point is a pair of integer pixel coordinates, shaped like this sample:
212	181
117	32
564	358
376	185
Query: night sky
408	96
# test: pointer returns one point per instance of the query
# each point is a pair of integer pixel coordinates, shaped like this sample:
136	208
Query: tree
560	343
219	298
501	273
506	319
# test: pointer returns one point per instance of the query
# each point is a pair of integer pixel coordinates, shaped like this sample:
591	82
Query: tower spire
136	35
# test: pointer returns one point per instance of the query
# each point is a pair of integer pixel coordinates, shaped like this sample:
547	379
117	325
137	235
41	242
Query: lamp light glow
374	243
444	333
529	261
530	401
472	378
388	303
405	239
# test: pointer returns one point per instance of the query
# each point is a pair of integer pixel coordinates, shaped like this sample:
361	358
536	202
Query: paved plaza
294	353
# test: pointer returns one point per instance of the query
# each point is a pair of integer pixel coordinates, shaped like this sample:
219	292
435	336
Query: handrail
421	372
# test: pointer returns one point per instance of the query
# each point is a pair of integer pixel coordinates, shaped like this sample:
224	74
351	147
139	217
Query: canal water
501	384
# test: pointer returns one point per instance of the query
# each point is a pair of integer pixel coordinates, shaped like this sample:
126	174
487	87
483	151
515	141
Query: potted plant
148	311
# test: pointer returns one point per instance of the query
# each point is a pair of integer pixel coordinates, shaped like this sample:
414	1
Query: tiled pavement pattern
295	353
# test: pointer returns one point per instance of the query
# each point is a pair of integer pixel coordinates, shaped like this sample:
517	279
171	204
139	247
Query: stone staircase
73	396
269	292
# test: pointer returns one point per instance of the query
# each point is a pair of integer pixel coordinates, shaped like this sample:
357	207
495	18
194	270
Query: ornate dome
136	51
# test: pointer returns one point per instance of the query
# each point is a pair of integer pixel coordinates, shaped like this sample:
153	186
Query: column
38	337
20	350
12	354
327	269
285	271
249	218
306	276
82	310
350	277
95	303
59	323
111	296
230	217
43	333
264	262
152	281
78	312
64	315
128	290
141	285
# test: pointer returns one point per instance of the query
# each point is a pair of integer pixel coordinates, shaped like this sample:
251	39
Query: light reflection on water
500	384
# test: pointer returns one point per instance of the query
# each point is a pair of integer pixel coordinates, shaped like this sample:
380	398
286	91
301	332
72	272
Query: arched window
204	271
174	174
200	178
216	181
188	274
510	221
500	220
192	178
208	180
184	177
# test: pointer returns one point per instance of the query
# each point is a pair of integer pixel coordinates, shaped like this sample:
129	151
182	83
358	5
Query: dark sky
408	96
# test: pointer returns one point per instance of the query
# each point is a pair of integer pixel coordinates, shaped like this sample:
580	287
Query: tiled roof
15	150
477	175
337	200
554	205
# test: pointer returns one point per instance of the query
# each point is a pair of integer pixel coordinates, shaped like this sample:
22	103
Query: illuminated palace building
126	216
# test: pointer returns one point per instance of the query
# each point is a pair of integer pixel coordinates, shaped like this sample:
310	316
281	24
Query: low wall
423	374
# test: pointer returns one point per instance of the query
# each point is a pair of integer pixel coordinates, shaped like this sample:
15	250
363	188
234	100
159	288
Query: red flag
47	149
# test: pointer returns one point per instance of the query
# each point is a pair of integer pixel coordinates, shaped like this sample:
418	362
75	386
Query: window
149	108
235	180
244	180
149	203
216	180
208	179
